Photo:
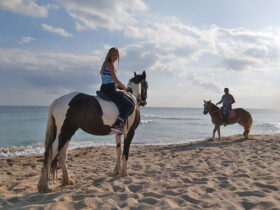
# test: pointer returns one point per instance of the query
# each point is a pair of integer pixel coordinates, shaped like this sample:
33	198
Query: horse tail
248	125
51	129
250	122
51	132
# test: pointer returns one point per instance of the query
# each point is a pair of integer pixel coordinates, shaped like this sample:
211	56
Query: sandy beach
227	174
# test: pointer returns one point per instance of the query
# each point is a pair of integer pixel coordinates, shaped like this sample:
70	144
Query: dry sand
227	174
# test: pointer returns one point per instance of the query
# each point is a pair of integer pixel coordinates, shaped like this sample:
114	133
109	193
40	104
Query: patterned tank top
106	76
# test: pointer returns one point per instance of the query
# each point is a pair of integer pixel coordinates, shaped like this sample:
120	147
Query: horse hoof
116	170
123	174
69	182
43	189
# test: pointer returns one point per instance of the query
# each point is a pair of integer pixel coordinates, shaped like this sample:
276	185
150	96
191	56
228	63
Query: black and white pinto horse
94	115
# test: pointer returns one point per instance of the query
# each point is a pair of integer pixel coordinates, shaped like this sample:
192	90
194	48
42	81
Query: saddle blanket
231	113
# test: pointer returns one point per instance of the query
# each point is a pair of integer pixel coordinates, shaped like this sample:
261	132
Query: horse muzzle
204	112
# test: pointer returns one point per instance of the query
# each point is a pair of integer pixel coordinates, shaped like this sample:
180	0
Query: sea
22	128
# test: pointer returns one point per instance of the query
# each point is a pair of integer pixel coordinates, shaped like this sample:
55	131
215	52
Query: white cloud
25	7
188	61
172	43
25	39
113	15
59	31
50	71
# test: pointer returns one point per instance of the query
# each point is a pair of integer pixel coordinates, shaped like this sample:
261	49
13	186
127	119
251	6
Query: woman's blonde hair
107	59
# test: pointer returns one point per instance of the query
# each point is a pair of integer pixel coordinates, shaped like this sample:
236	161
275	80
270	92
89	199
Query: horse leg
214	131
219	133
127	140
67	131
62	158
247	128
117	168
43	184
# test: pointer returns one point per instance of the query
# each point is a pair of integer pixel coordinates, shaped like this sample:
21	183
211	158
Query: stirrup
117	130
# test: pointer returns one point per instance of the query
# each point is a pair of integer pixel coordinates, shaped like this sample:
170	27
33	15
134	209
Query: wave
179	118
272	126
36	149
39	148
147	115
145	121
21	150
169	118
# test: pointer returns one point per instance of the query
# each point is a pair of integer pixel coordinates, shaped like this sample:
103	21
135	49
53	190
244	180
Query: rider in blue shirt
108	87
227	100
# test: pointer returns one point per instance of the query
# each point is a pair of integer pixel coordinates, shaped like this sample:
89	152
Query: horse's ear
144	74
204	101
210	101
134	74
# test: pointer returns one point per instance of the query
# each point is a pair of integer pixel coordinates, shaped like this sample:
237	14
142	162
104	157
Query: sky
190	50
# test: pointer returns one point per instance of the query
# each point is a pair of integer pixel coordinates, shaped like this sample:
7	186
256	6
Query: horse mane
214	105
136	79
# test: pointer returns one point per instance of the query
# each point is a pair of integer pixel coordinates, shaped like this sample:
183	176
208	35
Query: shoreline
38	148
232	173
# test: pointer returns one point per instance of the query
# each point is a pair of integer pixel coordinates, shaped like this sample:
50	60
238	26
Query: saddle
107	98
103	96
231	113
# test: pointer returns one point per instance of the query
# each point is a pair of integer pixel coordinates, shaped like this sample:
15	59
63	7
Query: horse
94	115
239	115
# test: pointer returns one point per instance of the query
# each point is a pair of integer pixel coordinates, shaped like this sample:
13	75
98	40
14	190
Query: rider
227	100
108	87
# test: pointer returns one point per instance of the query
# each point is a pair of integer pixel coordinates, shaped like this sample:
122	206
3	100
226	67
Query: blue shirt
226	99
106	77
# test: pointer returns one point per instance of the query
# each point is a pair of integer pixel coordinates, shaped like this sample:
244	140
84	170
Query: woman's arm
110	66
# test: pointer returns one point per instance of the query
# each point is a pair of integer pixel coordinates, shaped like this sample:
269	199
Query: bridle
137	97
211	112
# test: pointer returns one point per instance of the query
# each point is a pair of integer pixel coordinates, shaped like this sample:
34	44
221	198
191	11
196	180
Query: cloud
50	71
112	15
167	44
59	31
137	58
238	64
204	82
25	7
25	39
199	59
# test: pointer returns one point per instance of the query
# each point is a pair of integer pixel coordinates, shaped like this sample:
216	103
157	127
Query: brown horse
242	117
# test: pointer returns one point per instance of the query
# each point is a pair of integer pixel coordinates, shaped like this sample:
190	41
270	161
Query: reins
214	111
211	112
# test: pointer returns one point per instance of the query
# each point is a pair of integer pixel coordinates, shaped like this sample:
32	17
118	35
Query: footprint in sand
148	200
117	188
266	186
135	188
190	199
251	193
154	195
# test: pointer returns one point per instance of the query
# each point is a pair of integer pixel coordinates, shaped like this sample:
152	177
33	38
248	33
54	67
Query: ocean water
22	128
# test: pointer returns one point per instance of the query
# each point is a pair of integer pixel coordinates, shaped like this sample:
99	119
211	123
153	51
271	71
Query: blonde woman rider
108	87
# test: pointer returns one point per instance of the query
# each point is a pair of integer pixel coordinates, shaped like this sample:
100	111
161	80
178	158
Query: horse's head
138	87
208	107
